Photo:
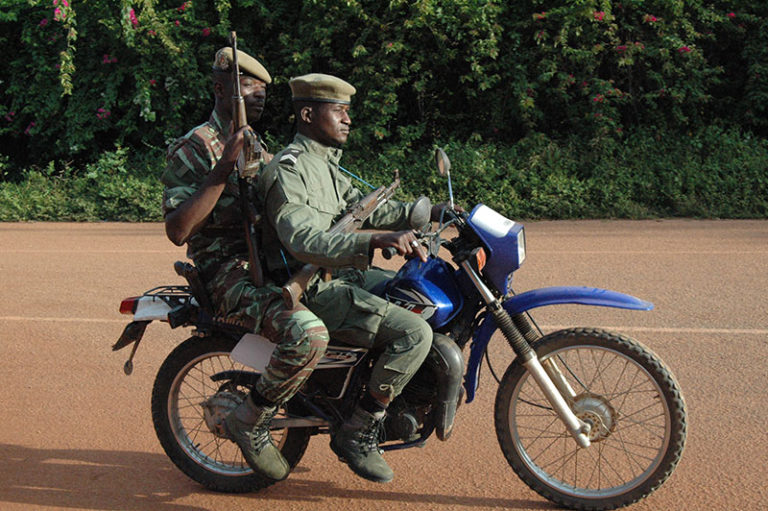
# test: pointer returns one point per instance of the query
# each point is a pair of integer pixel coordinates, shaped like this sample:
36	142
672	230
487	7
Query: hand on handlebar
437	210
405	242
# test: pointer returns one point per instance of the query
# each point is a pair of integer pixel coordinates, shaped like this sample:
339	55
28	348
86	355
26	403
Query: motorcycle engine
409	413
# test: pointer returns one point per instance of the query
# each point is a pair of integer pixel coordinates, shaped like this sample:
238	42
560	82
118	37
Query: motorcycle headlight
521	246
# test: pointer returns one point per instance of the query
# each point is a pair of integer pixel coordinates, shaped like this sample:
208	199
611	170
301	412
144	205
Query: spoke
624	448
570	371
655	430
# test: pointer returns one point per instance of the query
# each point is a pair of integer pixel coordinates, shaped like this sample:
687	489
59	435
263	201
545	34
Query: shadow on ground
139	481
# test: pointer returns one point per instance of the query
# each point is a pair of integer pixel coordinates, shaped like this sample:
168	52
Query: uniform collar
218	124
332	154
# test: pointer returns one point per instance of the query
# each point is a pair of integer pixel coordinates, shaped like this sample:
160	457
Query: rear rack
172	295
168	291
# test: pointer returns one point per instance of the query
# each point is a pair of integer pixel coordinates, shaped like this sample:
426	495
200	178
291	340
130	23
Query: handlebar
388	252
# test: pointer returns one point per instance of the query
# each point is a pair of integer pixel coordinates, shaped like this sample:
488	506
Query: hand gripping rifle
247	166
355	217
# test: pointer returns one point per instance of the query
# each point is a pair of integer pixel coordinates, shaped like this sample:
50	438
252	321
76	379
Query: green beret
320	87
246	63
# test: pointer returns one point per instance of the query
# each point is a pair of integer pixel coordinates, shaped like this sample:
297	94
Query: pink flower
102	113
153	82
598	99
43	22
599	15
177	23
540	15
684	49
57	14
65	3
29	128
620	48
650	18
105	58
731	14
206	32
151	32
182	7
9	116
132	17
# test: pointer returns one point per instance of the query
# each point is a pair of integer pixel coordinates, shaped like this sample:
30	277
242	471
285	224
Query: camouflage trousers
300	336
355	316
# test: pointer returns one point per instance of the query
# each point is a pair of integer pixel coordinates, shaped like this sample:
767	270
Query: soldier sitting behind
201	204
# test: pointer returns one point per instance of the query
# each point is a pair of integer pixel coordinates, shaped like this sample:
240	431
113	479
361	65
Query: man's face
254	92
330	123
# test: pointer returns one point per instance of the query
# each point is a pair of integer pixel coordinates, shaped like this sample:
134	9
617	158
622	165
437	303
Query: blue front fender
539	298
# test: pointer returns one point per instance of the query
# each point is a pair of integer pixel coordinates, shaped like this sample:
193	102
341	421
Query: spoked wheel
623	391
196	387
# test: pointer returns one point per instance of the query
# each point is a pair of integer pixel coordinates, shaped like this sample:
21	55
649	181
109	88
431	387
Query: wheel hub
598	413
216	408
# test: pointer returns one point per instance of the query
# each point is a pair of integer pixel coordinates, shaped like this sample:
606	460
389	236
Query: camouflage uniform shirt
219	249
190	159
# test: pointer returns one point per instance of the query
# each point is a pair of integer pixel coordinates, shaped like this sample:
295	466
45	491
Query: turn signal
480	258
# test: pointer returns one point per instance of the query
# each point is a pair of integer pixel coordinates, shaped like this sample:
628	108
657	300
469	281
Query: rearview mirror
444	167
421	213
443	163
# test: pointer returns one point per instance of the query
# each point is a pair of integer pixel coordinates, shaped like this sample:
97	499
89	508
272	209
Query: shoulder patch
290	156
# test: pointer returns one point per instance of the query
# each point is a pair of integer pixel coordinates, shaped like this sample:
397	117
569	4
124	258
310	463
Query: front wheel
623	391
196	387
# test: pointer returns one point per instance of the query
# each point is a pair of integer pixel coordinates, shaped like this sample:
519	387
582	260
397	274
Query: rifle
247	167
351	221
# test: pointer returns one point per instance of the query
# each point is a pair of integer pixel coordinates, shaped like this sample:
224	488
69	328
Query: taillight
128	306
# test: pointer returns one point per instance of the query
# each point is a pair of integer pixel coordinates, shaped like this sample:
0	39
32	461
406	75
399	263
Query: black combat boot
357	443
248	426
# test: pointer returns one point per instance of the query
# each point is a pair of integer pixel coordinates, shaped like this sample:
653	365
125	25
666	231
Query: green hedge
564	102
716	173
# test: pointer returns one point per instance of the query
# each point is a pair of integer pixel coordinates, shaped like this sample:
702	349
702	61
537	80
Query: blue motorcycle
589	419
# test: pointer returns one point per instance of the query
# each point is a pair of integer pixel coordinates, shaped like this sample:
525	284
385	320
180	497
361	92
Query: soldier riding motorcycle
588	418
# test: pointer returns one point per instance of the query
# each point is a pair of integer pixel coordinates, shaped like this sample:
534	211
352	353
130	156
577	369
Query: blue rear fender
539	298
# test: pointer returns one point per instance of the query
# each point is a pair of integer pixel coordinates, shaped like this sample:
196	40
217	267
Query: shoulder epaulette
290	156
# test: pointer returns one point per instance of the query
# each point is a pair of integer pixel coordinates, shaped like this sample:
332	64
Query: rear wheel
189	405
627	395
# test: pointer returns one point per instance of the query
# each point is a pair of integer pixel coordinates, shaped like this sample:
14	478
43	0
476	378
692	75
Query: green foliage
712	173
557	108
105	190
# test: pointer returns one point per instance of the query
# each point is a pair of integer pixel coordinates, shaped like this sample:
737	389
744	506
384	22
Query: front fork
546	379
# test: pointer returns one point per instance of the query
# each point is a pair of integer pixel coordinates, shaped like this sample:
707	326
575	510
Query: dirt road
76	432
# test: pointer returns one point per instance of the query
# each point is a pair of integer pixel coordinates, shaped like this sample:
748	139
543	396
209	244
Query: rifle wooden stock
357	215
247	159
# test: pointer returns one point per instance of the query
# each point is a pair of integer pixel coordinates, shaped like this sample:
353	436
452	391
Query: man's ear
306	114
218	89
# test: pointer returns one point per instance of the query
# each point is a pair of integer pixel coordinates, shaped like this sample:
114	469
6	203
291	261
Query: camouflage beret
320	87
246	63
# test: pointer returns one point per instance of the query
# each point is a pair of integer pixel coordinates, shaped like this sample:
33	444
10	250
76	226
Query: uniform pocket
351	314
318	202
